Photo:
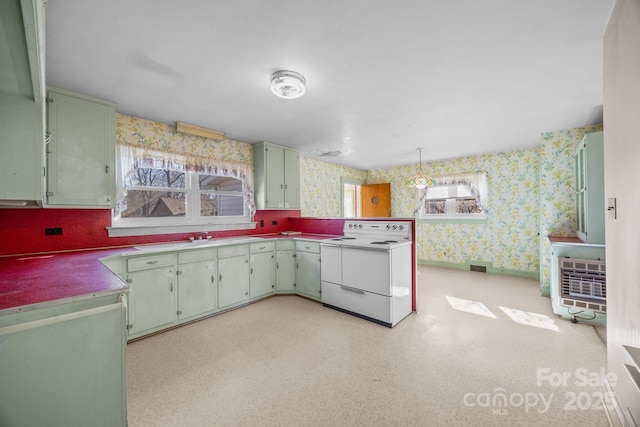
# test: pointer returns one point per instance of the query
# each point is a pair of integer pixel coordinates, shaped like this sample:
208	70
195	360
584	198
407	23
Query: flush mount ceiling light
420	180
287	84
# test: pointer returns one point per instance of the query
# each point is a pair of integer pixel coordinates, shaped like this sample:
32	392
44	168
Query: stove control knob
401	227
388	226
395	226
350	225
359	225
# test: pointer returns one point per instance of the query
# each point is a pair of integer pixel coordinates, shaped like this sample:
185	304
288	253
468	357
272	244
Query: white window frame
451	216
192	221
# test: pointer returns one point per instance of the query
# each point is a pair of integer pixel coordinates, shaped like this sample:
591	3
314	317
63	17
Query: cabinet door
291	179
308	274
263	274
274	182
81	151
197	288
233	280
152	299
285	271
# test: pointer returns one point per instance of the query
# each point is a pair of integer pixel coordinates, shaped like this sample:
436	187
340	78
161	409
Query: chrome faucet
202	234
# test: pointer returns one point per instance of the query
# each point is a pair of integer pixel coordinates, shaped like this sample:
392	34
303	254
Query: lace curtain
129	157
476	182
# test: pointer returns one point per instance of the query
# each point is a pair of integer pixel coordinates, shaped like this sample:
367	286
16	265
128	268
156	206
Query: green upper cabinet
80	151
589	160
277	176
22	70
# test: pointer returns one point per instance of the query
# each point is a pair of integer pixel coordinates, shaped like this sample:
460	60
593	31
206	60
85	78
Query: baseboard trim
533	275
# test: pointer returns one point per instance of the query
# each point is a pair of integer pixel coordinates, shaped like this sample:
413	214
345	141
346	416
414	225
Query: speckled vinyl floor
482	350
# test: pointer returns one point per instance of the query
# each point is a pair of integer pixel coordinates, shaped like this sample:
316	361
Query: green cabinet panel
22	70
153	299
198	288
81	151
285	271
589	163
263	274
308	274
64	365
276	176
233	279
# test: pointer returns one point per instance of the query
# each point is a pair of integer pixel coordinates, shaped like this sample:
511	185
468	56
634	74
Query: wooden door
376	200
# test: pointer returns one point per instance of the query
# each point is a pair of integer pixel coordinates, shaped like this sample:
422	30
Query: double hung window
455	196
161	189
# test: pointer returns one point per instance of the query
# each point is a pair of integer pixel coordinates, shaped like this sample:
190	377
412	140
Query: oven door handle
354	290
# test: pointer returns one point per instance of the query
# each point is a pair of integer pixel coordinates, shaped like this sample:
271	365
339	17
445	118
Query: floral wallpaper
557	201
508	239
158	136
320	187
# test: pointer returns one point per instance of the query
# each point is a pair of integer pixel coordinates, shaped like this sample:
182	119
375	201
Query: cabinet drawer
197	255
375	306
229	251
256	248
285	244
147	262
306	246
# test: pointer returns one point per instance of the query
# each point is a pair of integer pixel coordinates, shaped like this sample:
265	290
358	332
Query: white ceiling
456	77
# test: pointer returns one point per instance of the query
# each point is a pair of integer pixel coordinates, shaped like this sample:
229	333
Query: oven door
367	269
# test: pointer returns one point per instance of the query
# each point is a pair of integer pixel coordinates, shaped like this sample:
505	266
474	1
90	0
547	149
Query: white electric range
368	271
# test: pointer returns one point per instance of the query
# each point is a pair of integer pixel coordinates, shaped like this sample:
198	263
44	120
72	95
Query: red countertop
38	279
48	278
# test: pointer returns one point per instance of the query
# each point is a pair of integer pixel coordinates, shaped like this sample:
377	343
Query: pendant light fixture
287	84
420	180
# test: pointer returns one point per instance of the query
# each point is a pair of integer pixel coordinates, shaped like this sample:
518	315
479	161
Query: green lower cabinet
308	274
233	279
64	365
286	272
198	288
153	299
263	274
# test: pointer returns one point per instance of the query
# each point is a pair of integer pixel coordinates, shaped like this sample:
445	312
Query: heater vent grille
583	284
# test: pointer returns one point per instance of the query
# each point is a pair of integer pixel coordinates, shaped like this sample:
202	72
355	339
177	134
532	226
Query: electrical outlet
262	223
274	222
53	231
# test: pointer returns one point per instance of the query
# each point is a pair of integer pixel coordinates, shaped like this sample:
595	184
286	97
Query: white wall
622	181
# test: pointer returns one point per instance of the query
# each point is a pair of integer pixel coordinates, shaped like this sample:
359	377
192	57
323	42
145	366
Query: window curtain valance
147	143
476	182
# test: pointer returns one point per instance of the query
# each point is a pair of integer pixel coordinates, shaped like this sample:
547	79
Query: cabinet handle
106	168
171	287
277	265
251	270
282	186
246	293
220	278
212	279
152	262
355	291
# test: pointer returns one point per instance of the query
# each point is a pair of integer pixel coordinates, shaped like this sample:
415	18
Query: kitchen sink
187	244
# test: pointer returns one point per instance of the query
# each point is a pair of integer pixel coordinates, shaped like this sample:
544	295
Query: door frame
350	181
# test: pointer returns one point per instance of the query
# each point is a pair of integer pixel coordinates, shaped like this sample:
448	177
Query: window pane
464	191
435	207
150	177
221	205
146	204
219	183
467	206
439	192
